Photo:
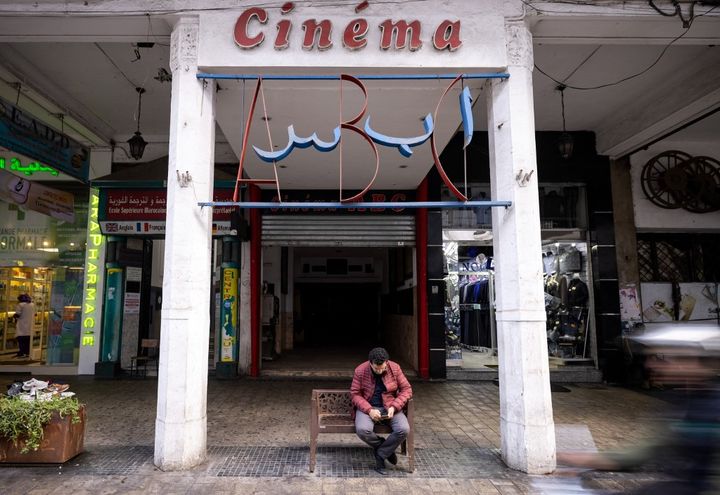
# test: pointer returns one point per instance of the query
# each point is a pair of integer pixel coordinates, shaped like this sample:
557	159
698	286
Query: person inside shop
379	391
24	317
687	449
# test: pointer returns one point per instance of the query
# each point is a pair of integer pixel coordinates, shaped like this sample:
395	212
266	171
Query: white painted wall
651	218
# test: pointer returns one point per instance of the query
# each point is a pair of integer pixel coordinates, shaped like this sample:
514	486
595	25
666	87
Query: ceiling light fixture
566	143
137	143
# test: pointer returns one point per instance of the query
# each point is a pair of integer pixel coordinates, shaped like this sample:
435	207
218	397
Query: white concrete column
527	430
181	424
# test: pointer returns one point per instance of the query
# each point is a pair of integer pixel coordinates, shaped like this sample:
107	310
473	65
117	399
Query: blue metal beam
367	77
345	206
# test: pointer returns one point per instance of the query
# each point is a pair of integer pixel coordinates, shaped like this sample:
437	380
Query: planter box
62	441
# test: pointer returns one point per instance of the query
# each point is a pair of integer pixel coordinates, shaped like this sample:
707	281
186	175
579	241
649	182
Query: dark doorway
345	314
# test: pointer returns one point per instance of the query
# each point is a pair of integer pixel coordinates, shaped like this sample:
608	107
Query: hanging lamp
565	143
137	143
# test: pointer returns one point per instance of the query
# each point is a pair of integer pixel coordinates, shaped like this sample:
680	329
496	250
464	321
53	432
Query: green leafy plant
24	420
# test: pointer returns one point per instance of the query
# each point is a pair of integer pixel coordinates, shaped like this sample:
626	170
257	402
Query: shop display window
567	299
470	328
469	310
35	282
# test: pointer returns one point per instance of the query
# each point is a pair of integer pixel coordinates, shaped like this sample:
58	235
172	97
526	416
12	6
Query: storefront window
567	299
42	257
471	340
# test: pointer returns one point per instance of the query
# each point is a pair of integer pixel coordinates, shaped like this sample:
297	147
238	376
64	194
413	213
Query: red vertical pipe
421	242
255	260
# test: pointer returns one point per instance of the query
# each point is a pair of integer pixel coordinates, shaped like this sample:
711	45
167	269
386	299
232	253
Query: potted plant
44	428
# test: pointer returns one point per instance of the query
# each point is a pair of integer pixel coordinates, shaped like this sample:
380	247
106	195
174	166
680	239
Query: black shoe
379	465
392	459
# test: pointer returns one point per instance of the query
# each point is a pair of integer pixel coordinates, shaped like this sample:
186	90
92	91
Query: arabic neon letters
29	169
295	141
403	144
371	136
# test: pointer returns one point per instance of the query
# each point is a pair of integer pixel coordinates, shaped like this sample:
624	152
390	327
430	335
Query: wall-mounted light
566	143
137	143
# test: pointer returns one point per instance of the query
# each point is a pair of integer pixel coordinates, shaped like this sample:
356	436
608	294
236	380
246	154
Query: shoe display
58	387
35	389
34	384
14	389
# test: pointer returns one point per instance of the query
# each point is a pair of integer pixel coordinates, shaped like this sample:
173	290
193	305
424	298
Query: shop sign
31	168
92	266
38	197
394	34
23	133
132	303
228	314
143	212
320	196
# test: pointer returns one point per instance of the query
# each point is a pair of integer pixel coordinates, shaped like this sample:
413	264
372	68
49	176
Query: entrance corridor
327	361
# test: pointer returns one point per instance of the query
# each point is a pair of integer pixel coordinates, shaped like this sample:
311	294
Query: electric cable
627	78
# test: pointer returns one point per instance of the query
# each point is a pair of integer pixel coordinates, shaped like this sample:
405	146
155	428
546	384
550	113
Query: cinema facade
388	187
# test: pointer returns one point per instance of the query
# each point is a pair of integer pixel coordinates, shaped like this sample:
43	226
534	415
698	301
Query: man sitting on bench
379	392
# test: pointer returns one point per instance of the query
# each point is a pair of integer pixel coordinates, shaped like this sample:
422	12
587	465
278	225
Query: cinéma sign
251	28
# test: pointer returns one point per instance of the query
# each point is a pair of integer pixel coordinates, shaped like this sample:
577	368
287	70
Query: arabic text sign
31	168
25	134
142	205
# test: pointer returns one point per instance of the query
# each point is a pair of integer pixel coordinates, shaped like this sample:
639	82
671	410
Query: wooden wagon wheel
663	179
703	187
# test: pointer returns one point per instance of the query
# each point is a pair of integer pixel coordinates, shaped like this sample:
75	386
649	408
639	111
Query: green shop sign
28	169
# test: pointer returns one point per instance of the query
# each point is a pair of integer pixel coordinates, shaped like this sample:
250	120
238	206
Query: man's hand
374	414
390	412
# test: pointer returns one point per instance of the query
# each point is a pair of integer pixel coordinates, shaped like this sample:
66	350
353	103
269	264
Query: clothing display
475	311
578	293
566	300
570	261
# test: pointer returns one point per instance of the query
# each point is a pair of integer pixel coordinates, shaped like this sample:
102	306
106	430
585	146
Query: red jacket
363	387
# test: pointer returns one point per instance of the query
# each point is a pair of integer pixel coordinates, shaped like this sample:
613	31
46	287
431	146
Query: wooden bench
331	412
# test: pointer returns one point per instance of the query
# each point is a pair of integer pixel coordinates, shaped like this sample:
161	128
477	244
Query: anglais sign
397	35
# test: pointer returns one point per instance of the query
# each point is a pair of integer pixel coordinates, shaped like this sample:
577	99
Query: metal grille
338	230
678	258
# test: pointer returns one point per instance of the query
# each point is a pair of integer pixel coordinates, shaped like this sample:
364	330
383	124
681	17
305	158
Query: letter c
242	38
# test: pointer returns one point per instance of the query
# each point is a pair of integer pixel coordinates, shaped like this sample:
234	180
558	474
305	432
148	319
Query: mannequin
578	293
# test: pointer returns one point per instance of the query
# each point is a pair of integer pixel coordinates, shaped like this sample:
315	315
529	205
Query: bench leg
313	451
410	441
403	447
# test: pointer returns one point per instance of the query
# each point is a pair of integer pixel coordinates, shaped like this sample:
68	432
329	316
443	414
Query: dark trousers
23	344
364	428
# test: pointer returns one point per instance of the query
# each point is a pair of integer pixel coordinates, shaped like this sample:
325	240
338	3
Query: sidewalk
258	441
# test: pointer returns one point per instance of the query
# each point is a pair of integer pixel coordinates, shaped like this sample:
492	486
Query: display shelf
24	280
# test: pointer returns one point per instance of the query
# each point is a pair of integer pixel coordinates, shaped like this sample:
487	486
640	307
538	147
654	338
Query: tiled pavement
258	437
